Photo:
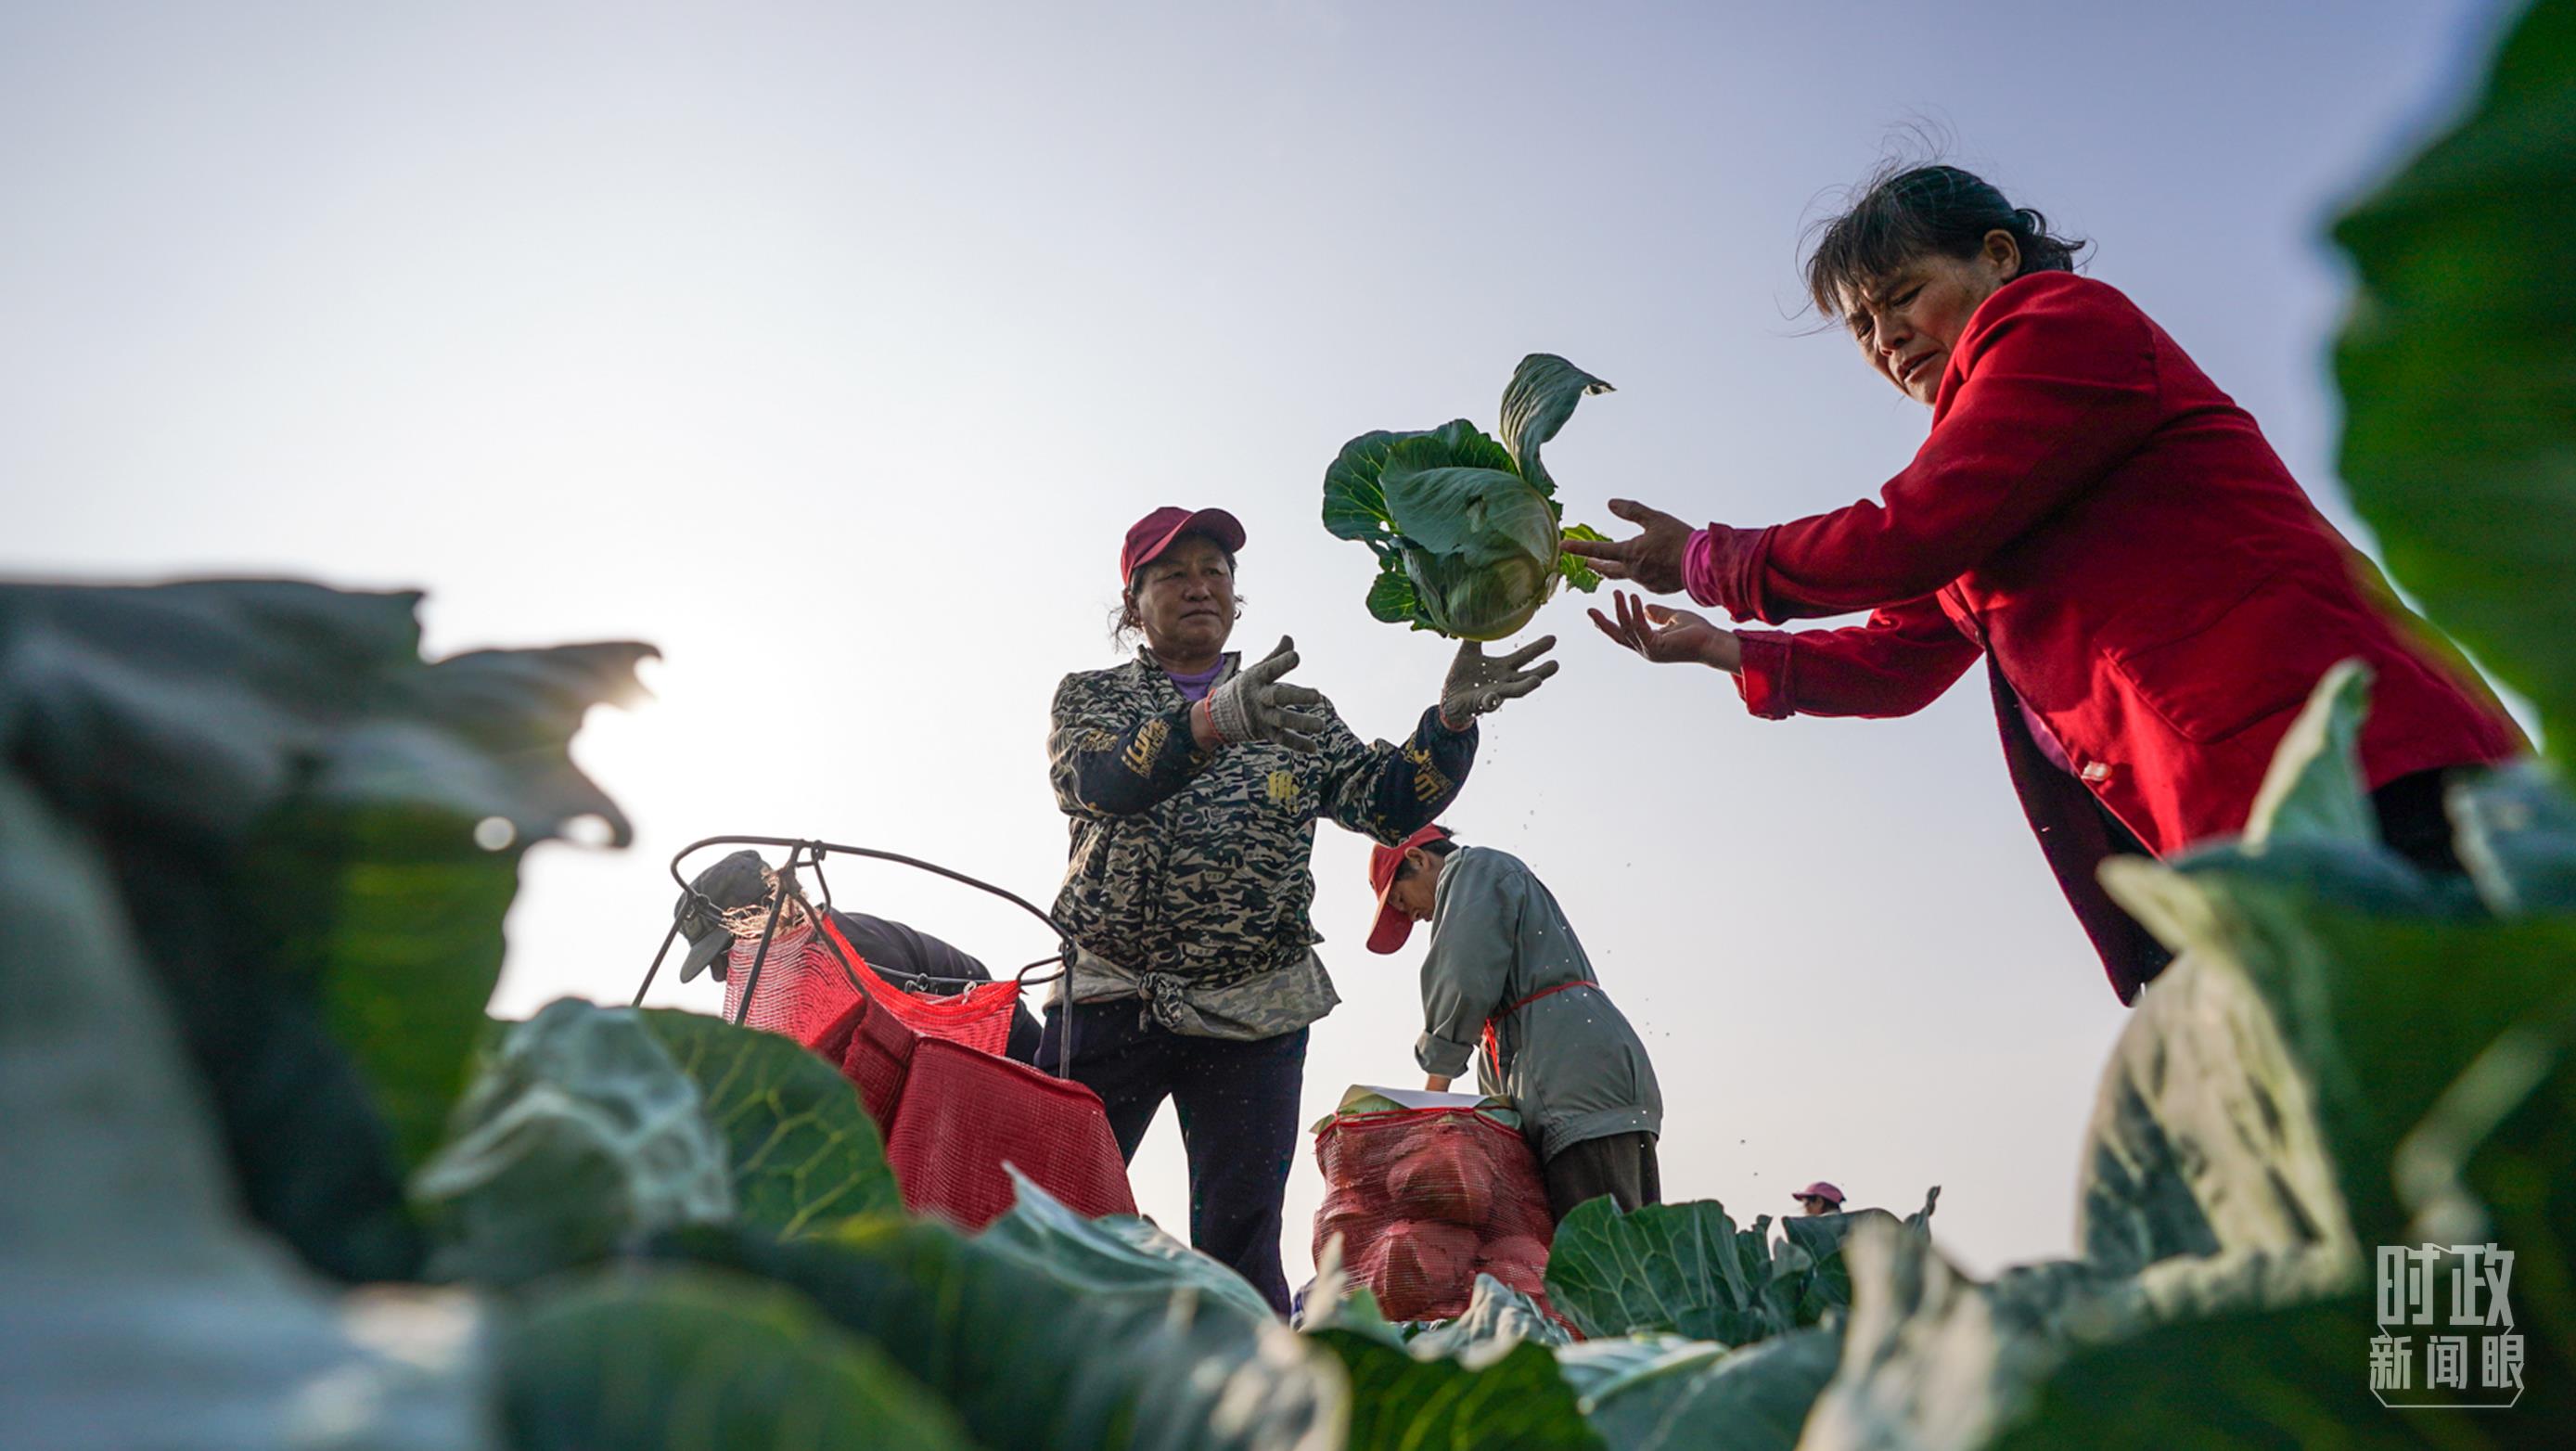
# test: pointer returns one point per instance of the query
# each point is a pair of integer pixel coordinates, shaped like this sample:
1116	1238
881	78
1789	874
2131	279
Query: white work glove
1254	706
1478	684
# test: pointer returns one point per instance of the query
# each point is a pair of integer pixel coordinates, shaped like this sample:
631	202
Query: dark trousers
1619	1165
1238	1106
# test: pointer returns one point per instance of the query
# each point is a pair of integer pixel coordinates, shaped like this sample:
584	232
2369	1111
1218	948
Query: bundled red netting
804	989
1427	1199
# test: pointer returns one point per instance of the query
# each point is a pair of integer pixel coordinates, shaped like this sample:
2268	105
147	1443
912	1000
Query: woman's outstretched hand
1666	635
1653	559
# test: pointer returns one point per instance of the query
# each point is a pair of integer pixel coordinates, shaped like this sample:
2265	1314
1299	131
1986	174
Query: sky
832	348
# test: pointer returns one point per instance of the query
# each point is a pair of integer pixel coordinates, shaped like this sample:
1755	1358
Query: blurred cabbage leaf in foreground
288	797
2459	439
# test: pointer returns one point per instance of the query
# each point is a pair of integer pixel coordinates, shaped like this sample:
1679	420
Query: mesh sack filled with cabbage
1426	1199
1467	530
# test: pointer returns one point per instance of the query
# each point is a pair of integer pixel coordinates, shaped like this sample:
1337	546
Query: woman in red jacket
2154	595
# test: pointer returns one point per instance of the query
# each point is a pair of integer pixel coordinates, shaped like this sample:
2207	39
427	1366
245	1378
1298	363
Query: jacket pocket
2257	657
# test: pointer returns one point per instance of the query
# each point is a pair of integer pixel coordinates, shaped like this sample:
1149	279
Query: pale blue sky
833	348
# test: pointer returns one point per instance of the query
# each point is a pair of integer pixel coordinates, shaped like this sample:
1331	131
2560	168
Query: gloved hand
1477	683
1254	706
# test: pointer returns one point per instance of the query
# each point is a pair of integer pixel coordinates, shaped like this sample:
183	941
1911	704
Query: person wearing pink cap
1193	782
1820	1198
1506	973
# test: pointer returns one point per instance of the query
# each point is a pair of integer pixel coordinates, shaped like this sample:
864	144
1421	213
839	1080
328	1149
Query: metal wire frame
807	853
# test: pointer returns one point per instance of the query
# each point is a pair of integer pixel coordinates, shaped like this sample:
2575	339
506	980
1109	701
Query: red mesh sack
1424	1199
964	1115
801	991
979	1017
804	991
952	1116
874	1051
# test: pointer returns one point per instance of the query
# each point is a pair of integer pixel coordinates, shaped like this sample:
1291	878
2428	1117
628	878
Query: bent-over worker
803	985
1506	971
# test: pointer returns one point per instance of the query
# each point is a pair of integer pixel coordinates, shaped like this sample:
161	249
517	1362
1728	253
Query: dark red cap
1155	532
1393	926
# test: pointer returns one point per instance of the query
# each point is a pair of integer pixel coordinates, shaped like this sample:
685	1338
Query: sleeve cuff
1763	679
1723	568
1699	566
1439	1056
1431	721
1194	757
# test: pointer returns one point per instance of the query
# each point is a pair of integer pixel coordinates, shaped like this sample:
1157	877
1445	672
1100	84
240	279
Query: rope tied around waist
1493	1053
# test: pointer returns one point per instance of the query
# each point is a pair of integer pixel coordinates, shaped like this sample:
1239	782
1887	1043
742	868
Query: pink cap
1820	1190
1154	533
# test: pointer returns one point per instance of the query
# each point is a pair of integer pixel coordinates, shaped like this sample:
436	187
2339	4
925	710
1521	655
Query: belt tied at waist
1494	1054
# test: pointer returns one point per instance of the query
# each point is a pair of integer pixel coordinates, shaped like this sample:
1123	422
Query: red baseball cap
1155	532
1820	1190
1393	926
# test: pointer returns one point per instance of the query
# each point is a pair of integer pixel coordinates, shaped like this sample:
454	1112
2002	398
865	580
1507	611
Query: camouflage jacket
1190	876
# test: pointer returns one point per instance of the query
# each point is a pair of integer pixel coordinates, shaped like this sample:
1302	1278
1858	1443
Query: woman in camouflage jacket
1193	783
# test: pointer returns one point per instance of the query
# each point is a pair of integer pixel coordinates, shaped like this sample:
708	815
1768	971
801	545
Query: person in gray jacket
1506	972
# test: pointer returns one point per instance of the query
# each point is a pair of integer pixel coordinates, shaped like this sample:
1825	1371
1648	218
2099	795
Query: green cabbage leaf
1467	531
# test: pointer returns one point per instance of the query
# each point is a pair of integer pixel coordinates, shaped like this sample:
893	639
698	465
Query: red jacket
2092	513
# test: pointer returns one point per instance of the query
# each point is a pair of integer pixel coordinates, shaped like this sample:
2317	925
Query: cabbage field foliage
276	1181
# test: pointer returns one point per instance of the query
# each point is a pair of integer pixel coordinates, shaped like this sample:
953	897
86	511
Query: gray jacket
1571	1063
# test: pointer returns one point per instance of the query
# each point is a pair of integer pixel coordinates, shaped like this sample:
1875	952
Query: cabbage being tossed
1466	530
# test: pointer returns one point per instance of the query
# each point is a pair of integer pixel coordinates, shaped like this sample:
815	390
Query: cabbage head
1466	529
